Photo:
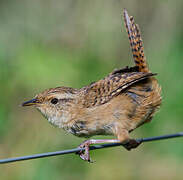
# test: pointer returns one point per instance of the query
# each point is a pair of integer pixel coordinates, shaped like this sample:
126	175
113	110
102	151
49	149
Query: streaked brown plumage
135	42
115	105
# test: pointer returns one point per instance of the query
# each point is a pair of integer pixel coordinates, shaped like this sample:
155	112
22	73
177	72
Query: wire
48	154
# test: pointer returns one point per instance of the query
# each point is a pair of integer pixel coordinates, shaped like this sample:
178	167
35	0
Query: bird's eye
54	101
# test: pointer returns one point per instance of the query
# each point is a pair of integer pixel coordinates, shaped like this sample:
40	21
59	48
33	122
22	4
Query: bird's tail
135	42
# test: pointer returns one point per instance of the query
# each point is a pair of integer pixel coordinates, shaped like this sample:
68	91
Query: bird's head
54	103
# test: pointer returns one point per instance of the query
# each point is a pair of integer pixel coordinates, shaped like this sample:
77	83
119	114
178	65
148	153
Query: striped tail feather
135	43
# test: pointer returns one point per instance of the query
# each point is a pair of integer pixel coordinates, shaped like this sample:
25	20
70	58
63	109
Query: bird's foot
132	144
85	154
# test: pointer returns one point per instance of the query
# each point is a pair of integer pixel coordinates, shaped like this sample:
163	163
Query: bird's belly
88	129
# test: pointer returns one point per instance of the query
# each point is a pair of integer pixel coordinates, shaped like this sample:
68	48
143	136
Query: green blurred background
50	43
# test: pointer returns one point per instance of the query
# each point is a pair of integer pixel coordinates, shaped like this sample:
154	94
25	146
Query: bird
115	105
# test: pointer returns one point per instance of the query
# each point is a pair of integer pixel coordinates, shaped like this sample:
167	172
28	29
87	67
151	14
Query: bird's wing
115	83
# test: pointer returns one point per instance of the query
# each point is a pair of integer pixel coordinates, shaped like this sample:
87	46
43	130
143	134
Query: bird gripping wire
76	150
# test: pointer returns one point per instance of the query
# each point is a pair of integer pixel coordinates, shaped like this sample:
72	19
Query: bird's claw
85	154
132	144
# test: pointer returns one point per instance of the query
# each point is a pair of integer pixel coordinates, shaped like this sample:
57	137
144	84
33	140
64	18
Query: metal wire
48	154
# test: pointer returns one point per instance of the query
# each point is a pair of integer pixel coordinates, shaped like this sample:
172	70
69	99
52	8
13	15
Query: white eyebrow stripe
61	96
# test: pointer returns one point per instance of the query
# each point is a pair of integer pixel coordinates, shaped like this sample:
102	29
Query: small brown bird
115	105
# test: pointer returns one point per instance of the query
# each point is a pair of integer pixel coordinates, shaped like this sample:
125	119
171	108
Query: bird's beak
31	102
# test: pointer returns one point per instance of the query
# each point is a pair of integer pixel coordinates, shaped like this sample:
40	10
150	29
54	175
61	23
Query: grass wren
115	105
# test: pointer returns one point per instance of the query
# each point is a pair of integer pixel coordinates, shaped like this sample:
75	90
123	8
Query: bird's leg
85	155
122	137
